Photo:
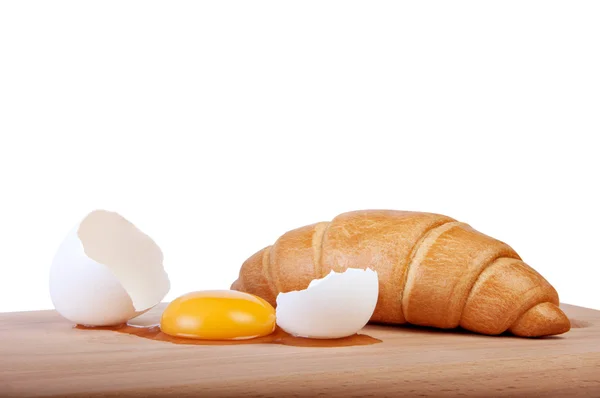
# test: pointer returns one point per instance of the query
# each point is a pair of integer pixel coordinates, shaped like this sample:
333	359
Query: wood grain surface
43	355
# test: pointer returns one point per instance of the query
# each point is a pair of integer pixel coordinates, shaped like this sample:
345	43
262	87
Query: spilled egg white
336	306
106	272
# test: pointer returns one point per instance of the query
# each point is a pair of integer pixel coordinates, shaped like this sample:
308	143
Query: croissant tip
237	285
544	319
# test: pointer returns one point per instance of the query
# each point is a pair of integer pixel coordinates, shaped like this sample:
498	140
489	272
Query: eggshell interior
338	305
132	256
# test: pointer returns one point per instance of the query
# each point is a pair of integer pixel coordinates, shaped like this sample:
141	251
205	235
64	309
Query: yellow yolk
218	315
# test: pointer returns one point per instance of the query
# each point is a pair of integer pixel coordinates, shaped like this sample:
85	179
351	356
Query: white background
217	126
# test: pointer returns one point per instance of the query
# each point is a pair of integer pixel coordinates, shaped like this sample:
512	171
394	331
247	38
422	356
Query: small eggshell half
336	306
106	272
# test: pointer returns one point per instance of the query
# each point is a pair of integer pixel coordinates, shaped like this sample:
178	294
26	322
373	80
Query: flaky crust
433	271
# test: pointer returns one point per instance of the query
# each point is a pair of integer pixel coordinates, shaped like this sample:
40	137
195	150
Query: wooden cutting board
41	354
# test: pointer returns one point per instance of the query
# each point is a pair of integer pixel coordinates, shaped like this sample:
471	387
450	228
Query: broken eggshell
106	272
336	306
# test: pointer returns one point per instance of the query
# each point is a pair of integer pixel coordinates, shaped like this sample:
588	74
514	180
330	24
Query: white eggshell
106	272
338	305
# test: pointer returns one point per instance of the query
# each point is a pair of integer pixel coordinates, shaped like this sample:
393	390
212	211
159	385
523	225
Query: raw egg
218	315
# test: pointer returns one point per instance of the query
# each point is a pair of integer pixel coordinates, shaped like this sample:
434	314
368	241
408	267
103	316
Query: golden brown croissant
433	271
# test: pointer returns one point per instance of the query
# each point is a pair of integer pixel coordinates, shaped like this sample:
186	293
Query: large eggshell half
106	272
338	305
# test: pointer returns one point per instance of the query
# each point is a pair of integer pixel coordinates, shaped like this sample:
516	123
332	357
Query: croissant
433	271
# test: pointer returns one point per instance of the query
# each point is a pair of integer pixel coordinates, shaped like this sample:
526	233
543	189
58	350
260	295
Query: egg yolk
218	315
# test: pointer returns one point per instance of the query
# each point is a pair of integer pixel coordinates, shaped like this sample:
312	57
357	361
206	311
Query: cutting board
41	354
